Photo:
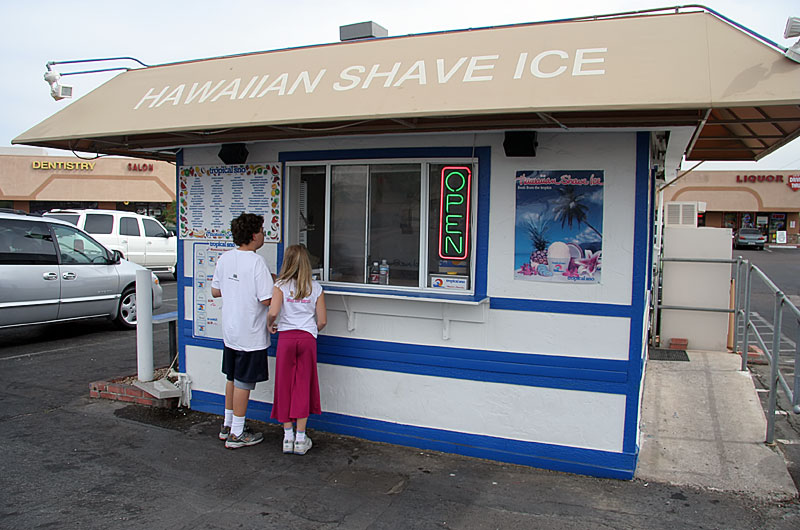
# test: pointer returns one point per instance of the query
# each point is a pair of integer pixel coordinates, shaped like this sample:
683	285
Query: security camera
57	90
793	30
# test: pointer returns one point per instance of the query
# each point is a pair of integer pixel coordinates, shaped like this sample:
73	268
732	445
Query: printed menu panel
209	197
207	312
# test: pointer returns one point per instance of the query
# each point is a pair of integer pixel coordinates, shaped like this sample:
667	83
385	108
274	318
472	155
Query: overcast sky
157	32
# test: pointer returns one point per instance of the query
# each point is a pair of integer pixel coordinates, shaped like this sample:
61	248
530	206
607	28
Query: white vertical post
144	325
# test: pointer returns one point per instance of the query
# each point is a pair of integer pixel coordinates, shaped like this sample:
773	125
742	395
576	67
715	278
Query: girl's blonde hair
297	266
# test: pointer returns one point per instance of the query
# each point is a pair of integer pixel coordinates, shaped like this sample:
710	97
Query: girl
301	305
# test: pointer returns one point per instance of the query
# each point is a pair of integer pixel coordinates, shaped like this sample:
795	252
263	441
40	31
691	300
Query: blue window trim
483	156
568	459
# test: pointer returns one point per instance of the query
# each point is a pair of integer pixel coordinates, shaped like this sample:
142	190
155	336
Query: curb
116	390
755	355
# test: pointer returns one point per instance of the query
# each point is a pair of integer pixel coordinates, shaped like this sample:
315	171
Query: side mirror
116	256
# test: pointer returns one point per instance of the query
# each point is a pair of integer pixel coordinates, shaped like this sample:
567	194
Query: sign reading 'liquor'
454	212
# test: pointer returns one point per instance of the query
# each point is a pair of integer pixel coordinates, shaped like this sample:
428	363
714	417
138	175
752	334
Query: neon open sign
454	212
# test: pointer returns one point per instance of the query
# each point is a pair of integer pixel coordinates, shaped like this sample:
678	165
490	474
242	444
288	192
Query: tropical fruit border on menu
210	196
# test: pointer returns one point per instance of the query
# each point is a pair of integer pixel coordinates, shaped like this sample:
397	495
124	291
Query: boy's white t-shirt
299	314
245	281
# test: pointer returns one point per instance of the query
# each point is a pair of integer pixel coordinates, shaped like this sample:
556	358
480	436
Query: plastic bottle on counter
384	273
374	273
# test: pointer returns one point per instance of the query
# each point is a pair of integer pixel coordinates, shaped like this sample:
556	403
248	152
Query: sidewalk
703	426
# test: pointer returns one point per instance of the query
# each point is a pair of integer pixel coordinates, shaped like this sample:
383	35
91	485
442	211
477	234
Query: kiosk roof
646	71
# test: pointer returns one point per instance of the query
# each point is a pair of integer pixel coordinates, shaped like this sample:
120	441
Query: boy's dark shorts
245	366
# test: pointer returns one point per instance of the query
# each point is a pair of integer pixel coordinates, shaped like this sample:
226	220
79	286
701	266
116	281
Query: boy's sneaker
301	448
224	431
246	438
288	446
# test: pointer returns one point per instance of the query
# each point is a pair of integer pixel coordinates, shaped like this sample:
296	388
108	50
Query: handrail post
737	289
774	362
746	339
796	394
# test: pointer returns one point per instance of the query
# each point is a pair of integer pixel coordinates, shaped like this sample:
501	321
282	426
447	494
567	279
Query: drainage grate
663	354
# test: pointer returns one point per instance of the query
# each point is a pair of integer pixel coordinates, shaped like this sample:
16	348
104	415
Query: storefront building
767	200
31	180
507	177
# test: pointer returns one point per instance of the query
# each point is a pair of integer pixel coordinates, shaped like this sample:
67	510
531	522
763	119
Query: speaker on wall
520	143
233	153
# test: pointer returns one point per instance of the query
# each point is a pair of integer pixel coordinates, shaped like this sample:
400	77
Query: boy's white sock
228	417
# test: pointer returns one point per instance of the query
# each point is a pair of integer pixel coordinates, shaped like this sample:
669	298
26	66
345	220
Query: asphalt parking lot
72	461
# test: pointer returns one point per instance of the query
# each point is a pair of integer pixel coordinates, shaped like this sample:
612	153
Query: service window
388	222
153	228
25	242
98	223
128	226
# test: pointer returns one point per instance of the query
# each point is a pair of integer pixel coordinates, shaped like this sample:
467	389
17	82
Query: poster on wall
210	197
207	311
558	226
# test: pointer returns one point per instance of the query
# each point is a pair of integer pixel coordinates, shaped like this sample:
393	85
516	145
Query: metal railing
741	312
777	380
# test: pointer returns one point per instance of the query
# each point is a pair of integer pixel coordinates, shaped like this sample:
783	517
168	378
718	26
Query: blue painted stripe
642	220
553	306
548	456
524	369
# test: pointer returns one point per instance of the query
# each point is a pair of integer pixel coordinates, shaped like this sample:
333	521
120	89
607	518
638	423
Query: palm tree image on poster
559	226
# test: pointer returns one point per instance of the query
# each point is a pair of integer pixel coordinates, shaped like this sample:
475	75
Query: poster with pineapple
559	226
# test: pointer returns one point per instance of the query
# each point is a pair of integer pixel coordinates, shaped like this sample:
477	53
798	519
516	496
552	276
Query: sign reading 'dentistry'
546	64
454	212
210	197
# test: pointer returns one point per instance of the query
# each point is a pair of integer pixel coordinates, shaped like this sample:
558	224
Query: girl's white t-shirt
299	314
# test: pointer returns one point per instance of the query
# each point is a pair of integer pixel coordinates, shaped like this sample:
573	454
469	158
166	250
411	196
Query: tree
569	208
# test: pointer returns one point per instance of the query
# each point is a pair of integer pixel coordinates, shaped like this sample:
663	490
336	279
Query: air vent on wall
681	214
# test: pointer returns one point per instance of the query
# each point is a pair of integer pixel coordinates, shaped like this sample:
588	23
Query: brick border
115	390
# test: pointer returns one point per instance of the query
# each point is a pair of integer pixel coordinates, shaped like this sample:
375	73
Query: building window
385	223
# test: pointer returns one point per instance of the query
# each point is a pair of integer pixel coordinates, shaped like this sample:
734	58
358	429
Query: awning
679	69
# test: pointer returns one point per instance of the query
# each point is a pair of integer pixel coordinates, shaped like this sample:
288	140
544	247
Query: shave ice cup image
558	256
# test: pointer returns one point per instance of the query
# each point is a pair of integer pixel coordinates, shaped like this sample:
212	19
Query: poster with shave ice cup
558	229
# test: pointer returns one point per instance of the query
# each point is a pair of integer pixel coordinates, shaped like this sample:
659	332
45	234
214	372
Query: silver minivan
51	271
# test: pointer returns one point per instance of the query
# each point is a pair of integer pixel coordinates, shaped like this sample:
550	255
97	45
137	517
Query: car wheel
126	316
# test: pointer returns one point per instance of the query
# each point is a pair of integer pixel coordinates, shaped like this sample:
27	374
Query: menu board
210	197
207	311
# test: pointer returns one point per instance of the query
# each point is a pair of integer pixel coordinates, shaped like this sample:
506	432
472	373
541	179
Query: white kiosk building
507	177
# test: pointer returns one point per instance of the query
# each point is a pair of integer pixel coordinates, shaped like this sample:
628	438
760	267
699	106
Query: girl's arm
322	312
274	310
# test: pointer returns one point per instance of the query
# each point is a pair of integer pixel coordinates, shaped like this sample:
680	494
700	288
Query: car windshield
750	232
68	217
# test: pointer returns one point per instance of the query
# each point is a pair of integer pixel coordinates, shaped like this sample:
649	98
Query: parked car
139	238
749	237
51	271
